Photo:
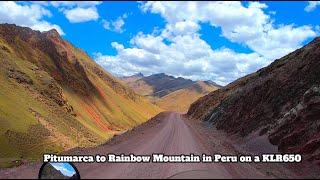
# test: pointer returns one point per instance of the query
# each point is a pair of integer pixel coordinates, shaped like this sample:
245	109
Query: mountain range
168	92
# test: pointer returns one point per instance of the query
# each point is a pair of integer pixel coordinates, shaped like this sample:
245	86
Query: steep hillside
281	101
168	92
54	97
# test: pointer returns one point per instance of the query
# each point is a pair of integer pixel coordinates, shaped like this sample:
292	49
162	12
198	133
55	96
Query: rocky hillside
281	101
54	97
168	92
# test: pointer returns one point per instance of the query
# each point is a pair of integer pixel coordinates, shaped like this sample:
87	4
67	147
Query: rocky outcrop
19	76
55	92
299	129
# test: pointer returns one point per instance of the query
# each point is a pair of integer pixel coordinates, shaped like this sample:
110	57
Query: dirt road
170	134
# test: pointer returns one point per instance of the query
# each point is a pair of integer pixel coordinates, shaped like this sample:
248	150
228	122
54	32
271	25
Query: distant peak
211	83
139	74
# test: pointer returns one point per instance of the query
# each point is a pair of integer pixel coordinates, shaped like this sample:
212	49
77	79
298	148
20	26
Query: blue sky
220	41
65	168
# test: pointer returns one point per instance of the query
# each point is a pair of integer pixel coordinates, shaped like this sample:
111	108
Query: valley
55	99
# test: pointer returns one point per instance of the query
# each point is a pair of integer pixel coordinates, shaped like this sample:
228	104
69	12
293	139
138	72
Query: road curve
170	134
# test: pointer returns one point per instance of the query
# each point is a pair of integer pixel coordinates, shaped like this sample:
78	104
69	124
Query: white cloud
28	15
78	11
281	41
246	25
79	14
312	5
116	25
186	56
178	49
181	27
72	4
106	24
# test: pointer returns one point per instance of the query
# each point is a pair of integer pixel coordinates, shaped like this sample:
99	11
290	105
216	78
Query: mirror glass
58	171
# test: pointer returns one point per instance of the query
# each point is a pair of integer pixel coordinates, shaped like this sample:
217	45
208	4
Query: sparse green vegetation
51	98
